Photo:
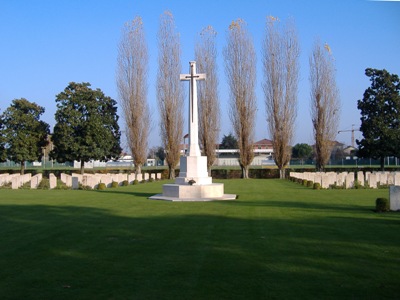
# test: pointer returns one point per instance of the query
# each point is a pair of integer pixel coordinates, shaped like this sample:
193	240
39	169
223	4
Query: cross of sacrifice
194	149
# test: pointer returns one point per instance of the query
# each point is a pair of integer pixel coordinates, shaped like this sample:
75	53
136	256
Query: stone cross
193	120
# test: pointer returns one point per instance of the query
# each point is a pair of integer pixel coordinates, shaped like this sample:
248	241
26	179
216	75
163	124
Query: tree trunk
138	170
282	173
382	163
22	170
82	167
171	174
245	172
319	167
209	171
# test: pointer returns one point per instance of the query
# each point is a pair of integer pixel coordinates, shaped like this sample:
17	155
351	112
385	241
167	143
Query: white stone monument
193	182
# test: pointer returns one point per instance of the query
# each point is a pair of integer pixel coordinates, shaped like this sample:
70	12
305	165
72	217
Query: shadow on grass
69	252
300	205
130	193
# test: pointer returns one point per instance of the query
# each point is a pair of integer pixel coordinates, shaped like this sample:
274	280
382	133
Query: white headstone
52	181
75	182
394	197
372	181
131	178
35	180
15	182
350	180
360	178
397	178
390	178
139	177
325	181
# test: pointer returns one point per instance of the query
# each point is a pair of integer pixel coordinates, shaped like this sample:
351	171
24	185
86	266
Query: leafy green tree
160	153
3	154
301	151
23	132
157	153
86	125
229	142
380	116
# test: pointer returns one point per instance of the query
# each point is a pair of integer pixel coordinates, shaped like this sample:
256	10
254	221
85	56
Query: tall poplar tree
325	102
169	91
281	53
132	69
240	68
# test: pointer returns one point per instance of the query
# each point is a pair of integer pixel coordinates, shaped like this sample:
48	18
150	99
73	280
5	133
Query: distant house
264	147
263	144
263	154
349	151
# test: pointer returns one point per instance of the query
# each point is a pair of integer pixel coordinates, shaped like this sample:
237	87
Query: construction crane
352	134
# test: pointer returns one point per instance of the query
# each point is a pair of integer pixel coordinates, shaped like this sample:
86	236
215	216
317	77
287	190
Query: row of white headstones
75	180
349	179
372	180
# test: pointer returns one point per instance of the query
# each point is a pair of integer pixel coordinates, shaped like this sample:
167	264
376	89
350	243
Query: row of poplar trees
280	58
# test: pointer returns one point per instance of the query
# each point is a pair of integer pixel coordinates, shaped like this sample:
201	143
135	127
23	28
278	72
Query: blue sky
46	44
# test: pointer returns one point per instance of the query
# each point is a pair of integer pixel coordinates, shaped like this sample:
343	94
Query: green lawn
279	240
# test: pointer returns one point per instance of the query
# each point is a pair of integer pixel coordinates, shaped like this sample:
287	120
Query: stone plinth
193	168
205	192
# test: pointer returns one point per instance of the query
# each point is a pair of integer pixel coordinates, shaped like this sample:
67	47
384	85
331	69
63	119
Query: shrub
337	187
358	185
114	184
61	185
84	187
151	179
44	184
382	205
125	183
102	186
316	186
26	186
310	183
304	182
6	185
135	182
382	186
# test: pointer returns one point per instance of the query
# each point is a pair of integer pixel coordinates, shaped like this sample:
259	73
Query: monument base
205	192
193	183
